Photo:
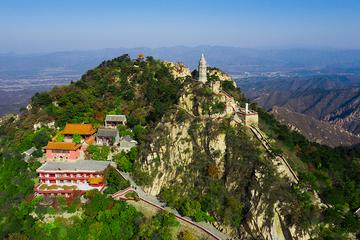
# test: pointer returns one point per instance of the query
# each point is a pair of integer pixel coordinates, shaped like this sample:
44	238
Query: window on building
61	151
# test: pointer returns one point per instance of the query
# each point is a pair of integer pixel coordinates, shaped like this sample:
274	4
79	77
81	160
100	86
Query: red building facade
66	178
63	151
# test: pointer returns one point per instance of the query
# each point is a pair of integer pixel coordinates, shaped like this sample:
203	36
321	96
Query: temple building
63	151
247	116
28	153
67	178
126	143
86	131
107	137
202	69
112	121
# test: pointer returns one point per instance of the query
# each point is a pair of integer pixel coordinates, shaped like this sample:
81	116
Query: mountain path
154	201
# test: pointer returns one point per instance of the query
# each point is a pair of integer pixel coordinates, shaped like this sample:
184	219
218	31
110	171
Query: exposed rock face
178	155
178	70
174	145
7	117
39	125
29	107
189	140
347	116
221	75
258	224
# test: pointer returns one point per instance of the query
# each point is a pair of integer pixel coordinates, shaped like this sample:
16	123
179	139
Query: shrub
41	99
76	138
217	107
133	196
59	137
98	152
228	85
180	116
124	131
41	138
192	208
125	160
114	181
139	132
17	236
186	235
37	153
160	227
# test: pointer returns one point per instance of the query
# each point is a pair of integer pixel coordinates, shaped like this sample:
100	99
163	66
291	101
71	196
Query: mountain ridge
318	131
21	75
333	99
194	155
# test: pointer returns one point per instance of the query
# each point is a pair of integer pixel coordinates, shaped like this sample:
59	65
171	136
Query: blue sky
40	26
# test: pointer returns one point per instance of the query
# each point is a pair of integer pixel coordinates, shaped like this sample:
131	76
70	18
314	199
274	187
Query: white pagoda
202	69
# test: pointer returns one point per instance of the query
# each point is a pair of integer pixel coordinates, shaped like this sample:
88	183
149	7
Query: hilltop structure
107	137
112	121
126	143
247	116
28	153
202	69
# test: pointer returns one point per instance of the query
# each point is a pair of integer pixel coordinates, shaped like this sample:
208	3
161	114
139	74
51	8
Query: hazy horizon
178	46
43	26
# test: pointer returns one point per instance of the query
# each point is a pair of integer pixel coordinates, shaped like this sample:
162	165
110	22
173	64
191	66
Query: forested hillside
197	160
141	90
212	169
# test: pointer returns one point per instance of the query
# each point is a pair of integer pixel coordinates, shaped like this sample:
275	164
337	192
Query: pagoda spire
202	69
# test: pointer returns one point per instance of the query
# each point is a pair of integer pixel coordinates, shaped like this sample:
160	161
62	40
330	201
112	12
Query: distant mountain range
315	130
327	99
232	59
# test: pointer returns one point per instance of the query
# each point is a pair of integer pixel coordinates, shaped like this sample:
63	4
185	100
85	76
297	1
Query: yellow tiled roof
75	128
62	146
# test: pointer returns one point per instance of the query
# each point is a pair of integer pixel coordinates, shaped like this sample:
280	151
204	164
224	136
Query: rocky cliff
196	156
199	153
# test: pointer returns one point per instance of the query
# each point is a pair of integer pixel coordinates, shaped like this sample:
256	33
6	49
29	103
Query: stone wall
249	119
